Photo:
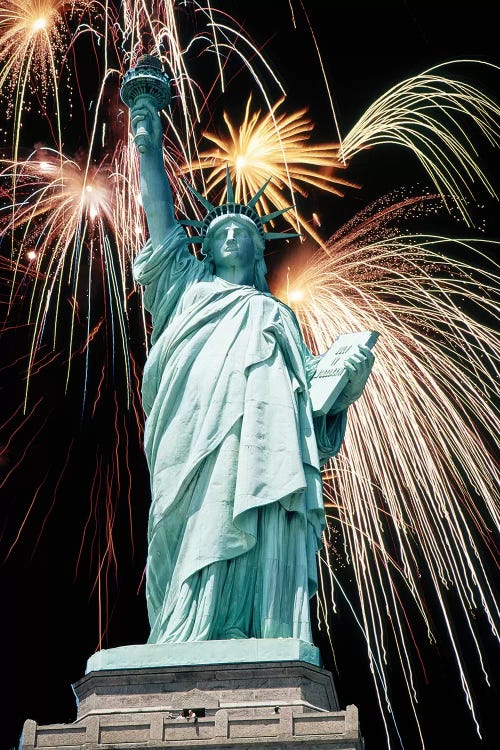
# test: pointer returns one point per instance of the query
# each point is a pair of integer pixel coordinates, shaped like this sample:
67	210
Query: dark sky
48	611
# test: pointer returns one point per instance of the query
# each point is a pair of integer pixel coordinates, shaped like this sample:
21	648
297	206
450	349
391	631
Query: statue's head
235	240
236	224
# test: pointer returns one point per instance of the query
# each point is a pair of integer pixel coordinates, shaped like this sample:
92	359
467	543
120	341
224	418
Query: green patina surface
233	447
234	455
197	653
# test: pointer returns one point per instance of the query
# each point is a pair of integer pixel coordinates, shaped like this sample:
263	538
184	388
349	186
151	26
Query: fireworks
34	37
67	214
31	35
425	114
278	145
423	466
413	494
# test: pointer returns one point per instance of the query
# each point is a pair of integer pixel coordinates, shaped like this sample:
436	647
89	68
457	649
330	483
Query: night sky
49	606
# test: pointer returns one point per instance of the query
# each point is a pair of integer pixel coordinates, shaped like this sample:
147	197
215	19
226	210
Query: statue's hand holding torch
146	125
146	90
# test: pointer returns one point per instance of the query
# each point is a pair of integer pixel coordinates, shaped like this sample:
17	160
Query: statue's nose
230	234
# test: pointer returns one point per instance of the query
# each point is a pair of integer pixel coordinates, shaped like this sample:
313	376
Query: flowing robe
234	456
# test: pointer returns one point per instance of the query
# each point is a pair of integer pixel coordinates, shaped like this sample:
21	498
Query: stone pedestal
271	705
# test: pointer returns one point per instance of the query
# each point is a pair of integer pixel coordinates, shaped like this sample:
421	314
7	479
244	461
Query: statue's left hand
359	365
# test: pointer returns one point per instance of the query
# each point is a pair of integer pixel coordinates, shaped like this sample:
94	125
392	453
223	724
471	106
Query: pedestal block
270	705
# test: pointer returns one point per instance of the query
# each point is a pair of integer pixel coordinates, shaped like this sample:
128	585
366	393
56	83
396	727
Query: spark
425	478
75	222
425	113
274	144
296	295
67	209
33	36
39	24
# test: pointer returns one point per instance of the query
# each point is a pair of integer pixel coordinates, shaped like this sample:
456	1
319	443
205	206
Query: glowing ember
39	24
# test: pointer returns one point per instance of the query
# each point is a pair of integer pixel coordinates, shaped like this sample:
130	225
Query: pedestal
271	704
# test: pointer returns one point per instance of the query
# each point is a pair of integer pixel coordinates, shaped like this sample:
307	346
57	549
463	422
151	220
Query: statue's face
233	245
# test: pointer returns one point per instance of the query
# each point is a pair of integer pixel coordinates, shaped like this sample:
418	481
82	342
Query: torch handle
142	136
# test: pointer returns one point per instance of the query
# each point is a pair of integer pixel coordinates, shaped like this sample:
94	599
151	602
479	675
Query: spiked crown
231	208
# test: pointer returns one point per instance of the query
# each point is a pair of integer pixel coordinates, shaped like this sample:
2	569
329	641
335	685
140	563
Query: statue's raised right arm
156	193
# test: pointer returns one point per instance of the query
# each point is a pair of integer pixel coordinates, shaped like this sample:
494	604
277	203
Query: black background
49	610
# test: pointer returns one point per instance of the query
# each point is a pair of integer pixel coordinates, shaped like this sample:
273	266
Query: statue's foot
232	633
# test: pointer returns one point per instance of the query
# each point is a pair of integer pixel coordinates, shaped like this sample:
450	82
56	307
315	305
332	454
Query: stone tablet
331	376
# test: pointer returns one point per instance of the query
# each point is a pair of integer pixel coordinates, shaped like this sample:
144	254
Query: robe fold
234	456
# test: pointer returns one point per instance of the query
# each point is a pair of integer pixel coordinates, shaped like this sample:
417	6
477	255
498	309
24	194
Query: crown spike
251	203
229	186
209	206
231	208
280	235
274	215
195	238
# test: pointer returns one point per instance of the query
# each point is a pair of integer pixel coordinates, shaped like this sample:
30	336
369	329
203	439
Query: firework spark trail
66	208
426	114
272	144
402	286
67	213
423	468
31	38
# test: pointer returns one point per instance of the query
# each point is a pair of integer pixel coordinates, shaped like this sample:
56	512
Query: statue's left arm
359	366
330	428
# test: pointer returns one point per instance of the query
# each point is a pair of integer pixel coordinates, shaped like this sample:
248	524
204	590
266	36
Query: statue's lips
231	249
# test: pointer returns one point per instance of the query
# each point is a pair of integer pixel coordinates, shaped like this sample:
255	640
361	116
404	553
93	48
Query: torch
147	79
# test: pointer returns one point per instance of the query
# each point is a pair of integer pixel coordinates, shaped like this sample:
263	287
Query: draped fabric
234	456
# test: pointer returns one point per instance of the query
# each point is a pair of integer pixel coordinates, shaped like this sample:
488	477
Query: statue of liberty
233	448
